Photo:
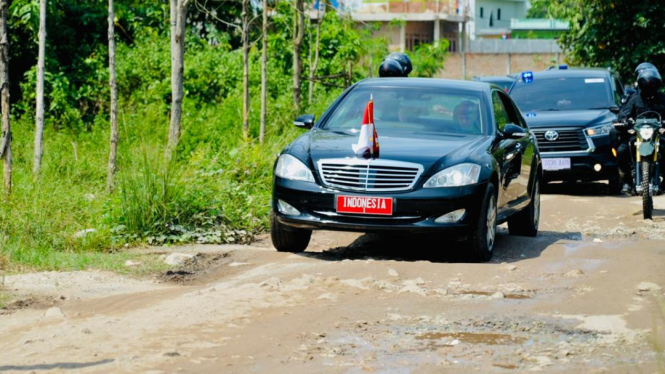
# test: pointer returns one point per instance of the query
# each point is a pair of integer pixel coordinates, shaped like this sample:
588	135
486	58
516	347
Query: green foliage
616	33
217	188
428	59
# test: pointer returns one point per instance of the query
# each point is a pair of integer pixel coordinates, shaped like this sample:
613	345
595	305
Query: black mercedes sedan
451	157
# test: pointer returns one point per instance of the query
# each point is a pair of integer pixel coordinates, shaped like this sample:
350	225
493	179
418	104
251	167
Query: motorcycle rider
648	98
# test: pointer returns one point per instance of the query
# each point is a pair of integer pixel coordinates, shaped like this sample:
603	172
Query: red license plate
365	205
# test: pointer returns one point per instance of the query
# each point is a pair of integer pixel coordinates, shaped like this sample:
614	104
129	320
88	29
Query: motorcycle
645	156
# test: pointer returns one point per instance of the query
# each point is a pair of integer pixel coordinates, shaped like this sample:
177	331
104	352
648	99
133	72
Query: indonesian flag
368	143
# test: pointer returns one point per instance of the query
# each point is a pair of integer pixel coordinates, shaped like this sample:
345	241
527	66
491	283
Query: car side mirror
305	121
614	109
512	131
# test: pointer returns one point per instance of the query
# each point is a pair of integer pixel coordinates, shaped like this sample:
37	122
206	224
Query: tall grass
216	190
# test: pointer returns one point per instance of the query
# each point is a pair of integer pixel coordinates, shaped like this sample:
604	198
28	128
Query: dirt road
586	296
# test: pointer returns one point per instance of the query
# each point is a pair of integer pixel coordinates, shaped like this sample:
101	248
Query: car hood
425	149
569	118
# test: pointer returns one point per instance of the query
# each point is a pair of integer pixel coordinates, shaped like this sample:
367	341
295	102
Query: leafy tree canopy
612	33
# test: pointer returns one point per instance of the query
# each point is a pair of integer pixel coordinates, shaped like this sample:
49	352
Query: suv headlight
289	167
455	176
598	130
646	133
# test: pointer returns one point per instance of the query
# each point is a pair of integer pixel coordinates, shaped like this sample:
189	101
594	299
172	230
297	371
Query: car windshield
412	110
552	94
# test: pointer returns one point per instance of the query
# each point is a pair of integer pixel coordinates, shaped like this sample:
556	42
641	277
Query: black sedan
455	158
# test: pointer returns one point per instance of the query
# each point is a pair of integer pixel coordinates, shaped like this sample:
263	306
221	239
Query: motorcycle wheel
647	200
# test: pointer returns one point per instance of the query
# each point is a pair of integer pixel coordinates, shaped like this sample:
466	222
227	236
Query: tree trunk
6	139
245	68
313	67
178	21
298	36
39	120
264	72
114	102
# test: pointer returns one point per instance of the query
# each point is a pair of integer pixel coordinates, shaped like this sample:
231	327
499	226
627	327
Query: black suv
570	111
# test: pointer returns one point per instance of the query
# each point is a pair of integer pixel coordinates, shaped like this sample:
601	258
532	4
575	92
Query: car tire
615	185
525	222
482	238
288	239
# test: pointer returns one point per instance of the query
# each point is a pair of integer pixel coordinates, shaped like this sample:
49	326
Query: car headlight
289	167
455	176
598	130
646	133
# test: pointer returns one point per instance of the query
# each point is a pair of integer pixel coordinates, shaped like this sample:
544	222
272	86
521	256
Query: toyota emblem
551	135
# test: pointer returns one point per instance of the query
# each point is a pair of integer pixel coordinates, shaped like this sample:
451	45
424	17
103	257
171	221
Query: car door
525	147
506	154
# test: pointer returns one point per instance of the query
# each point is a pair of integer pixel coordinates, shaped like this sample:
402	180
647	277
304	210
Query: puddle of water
486	293
472	338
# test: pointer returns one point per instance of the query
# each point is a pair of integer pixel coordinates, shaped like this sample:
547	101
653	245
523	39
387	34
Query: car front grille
568	140
369	175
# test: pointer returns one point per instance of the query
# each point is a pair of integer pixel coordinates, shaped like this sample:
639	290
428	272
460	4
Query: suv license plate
365	205
556	164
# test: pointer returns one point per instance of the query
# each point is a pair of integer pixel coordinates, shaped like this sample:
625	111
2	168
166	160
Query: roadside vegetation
217	186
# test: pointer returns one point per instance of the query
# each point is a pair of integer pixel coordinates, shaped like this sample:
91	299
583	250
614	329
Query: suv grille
369	175
572	140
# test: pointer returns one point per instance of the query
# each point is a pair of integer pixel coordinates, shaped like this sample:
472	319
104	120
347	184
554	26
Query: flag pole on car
368	141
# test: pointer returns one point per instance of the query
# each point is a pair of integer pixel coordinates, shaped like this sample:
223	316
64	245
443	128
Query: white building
491	18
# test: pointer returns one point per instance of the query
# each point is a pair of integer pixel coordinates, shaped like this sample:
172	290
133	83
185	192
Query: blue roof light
563	67
527	77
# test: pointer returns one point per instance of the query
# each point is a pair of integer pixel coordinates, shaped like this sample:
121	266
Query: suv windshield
546	94
412	110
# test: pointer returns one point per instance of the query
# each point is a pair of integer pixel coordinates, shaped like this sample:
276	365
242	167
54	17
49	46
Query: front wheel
481	241
287	239
647	200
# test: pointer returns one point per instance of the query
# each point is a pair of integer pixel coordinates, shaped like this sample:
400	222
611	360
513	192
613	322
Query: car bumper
413	211
583	164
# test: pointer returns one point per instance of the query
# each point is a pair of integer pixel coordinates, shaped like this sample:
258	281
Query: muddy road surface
586	296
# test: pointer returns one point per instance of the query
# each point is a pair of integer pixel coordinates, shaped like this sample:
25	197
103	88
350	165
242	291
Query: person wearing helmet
395	65
390	68
404	60
648	98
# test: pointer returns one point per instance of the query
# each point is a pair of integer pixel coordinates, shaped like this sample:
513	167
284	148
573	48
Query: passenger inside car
467	118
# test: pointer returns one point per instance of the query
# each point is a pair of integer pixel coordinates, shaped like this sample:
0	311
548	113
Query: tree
264	71
6	139
245	68
39	118
178	22
114	102
618	34
298	37
315	64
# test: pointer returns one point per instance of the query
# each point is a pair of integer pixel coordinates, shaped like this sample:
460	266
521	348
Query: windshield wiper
546	110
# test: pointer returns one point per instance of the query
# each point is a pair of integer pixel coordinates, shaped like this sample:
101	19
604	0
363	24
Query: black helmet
391	68
649	81
404	60
642	66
